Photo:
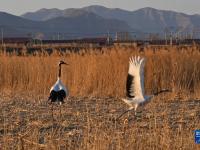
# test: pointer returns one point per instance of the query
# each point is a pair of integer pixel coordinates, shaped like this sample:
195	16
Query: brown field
96	80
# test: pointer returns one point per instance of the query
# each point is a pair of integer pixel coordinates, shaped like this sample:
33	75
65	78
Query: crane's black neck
161	91
59	72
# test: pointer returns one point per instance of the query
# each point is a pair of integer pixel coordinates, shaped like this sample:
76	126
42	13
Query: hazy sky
19	7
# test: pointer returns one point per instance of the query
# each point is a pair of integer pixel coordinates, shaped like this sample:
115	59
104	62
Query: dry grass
101	73
87	122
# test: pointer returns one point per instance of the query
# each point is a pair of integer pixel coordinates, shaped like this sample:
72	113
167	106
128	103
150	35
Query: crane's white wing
135	78
58	92
59	86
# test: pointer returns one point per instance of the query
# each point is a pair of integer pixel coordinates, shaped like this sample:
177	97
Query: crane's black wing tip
57	96
129	85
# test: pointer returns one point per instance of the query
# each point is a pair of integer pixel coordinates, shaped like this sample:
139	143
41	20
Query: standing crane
58	91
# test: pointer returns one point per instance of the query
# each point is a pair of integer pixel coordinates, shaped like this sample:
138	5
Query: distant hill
148	19
86	23
79	24
46	14
93	21
145	19
16	26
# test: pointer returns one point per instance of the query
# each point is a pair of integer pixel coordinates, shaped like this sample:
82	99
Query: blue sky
19	7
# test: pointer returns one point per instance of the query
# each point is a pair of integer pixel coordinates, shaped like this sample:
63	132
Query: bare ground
27	122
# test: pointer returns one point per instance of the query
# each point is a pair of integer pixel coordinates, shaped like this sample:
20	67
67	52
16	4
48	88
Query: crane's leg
60	120
122	114
60	112
136	106
52	111
127	111
135	116
52	119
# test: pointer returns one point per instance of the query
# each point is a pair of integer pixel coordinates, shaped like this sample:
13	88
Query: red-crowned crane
58	91
135	85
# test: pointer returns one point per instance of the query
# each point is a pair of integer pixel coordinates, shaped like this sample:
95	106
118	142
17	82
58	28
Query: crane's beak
65	64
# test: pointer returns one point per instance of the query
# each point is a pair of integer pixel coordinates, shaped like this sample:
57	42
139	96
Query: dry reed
87	123
101	73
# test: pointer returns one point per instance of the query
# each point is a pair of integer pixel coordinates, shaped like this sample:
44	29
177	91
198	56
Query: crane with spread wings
135	91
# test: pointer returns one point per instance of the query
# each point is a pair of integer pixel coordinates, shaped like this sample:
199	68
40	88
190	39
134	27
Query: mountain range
94	21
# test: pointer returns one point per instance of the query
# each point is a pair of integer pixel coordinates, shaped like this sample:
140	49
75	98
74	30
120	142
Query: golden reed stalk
101	73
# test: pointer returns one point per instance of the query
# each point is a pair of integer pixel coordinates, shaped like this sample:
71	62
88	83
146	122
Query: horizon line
101	6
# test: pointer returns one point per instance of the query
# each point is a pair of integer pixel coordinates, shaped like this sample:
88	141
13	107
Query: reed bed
96	80
101	73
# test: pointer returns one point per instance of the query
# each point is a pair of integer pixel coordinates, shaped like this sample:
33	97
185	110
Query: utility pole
116	36
2	37
108	38
58	36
